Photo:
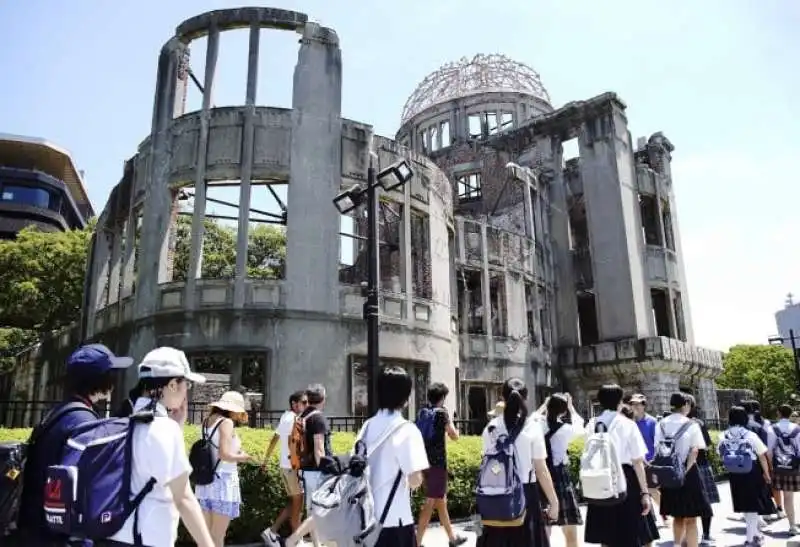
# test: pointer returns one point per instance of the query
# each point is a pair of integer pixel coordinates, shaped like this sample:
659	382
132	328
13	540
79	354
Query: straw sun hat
233	402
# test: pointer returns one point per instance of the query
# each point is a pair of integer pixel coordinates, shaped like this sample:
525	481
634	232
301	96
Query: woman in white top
222	499
159	453
624	524
531	456
750	492
562	424
688	502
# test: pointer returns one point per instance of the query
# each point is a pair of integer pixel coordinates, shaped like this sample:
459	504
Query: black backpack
13	458
201	456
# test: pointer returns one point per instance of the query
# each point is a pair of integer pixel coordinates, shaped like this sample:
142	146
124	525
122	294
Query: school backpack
343	506
601	476
14	457
784	456
426	423
500	495
667	469
88	495
549	435
201	457
759	430
298	449
736	453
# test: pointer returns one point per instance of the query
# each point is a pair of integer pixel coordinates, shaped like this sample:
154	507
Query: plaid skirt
786	482
709	484
569	513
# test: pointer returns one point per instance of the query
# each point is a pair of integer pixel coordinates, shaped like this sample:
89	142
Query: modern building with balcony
501	257
39	186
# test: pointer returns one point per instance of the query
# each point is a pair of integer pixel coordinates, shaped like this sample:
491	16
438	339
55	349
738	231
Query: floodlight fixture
395	176
349	199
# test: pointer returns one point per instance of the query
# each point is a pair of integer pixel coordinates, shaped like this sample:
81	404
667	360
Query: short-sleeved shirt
158	452
785	427
284	431
436	447
647	426
404	452
529	445
46	452
316	424
624	433
692	438
752	438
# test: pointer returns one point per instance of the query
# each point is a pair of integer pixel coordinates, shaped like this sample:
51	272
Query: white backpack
601	475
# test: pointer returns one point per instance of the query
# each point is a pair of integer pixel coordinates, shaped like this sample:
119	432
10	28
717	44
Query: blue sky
719	78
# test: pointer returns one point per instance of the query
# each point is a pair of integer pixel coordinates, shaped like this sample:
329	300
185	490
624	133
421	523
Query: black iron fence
25	414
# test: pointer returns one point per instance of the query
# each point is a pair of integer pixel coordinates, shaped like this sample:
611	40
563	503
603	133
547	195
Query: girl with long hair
531	457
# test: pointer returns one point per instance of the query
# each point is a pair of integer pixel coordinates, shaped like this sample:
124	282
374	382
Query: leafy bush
264	497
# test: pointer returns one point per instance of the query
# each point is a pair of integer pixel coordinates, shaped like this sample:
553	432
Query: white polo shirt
159	452
284	431
404	451
691	438
625	433
529	445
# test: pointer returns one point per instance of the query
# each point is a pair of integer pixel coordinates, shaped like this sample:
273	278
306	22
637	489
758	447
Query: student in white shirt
688	502
558	434
786	440
750	492
291	477
624	524
159	453
531	458
402	454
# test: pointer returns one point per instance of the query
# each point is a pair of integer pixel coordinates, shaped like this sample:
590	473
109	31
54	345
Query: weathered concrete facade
567	273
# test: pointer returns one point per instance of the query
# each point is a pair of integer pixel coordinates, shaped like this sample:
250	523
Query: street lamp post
792	341
392	178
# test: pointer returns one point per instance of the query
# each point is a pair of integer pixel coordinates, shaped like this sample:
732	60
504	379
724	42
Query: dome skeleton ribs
483	73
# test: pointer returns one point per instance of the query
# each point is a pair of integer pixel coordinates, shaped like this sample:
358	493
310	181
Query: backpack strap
390	499
548	445
54	416
211	436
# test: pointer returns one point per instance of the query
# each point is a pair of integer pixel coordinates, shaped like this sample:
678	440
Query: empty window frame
469	187
475	125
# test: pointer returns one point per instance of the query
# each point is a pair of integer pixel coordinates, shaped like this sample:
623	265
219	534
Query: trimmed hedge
264	497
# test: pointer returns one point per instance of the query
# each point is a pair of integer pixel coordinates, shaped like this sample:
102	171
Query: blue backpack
88	495
737	454
500	494
668	469
426	423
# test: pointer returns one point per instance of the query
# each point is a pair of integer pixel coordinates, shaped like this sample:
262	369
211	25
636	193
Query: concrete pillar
115	269
405	245
485	288
243	232
100	268
566	302
312	261
199	214
612	211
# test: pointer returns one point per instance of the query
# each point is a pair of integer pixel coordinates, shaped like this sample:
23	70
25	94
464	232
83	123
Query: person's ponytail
515	413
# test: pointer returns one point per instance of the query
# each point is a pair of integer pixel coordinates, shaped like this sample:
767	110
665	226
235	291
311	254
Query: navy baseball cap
96	358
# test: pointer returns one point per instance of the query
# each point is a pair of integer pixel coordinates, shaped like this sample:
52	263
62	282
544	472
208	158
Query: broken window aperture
587	319
492	125
470	302
497	301
506	120
451	250
530	313
578	224
660	301
391	260
677	309
651	227
423	141
475	125
444	131
494	243
544	316
421	255
472	241
434	138
669	236
469	187
352	248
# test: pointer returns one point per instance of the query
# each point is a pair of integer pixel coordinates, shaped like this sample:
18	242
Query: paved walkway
726	529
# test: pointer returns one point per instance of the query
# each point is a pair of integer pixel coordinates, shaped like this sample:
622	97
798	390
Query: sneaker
271	539
708	541
794	530
458	540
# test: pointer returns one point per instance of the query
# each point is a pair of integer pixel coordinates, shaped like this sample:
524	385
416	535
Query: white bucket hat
231	401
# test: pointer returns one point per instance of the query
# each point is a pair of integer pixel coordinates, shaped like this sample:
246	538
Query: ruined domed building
500	258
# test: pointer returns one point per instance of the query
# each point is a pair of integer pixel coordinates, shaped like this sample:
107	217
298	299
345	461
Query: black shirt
436	448
316	424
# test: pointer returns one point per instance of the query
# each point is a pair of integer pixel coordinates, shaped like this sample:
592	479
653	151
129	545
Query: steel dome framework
483	73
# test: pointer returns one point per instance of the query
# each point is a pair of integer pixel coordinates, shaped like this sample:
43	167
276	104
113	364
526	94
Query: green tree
767	370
